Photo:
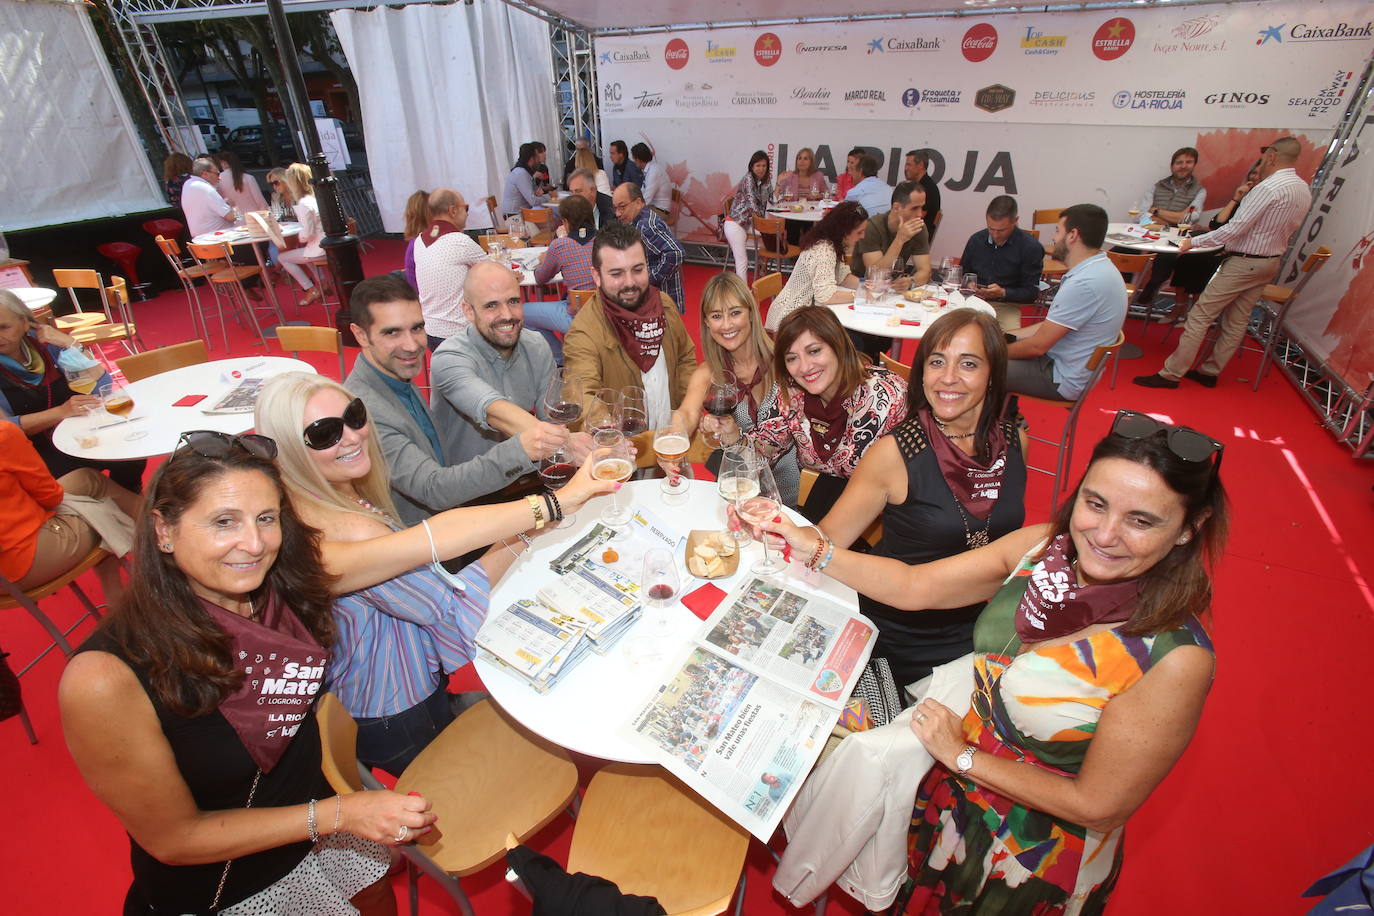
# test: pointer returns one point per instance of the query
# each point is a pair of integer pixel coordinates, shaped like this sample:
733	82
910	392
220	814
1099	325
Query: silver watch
964	762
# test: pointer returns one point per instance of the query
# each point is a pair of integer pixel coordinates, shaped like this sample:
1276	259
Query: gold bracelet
538	509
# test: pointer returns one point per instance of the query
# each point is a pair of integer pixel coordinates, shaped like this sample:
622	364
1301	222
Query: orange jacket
28	496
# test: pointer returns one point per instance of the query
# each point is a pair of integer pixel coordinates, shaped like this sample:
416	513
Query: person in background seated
950	477
569	254
834	405
657	188
803	181
870	192
1007	259
201	203
916	167
1049	359
898	239
238	186
166	714
623	169
176	171
416	219
851	174
1091	665
1175	197
302	199
587	161
520	191
442	258
582	184
664	253
753	195
821	274
403	624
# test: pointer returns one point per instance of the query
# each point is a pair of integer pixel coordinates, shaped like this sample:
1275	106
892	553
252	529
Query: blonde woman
586	159
302	199
804	181
403	623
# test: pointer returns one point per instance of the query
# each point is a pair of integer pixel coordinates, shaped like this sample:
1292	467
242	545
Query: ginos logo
676	54
979	42
1113	38
767	49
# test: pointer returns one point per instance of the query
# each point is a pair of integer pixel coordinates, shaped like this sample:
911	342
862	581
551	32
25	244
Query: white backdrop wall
1054	109
448	95
69	148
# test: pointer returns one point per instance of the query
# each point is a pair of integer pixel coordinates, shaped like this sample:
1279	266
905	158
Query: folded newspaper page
743	718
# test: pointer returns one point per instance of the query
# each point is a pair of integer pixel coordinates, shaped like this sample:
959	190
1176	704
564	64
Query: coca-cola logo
767	49
1113	38
979	42
676	54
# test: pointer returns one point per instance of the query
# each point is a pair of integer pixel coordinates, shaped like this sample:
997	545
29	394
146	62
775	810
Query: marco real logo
767	49
865	97
994	98
1037	42
676	54
1113	38
979	43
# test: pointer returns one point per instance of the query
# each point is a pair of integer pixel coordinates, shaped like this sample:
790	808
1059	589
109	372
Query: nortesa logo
676	54
979	42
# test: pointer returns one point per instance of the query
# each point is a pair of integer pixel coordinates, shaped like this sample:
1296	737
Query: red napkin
703	601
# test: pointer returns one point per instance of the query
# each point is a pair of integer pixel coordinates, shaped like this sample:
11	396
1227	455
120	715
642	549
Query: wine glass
555	470
671	443
634	415
119	403
603	411
969	287
614	464
737	477
563	399
949	276
661	585
765	504
516	227
721	400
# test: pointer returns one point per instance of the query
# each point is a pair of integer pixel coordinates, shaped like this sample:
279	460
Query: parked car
246	143
213	135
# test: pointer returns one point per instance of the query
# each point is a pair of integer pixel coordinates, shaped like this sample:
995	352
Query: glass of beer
118	402
614	463
81	381
671	443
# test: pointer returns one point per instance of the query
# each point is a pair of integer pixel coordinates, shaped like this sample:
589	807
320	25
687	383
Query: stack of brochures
534	642
605	601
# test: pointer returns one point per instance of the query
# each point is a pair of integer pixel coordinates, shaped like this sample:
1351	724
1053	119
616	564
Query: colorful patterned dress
975	851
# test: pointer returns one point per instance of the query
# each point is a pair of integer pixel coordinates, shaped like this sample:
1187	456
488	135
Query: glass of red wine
661	584
555	471
721	400
634	415
563	399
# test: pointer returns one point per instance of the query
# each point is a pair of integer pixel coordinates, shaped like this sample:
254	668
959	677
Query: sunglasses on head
210	443
327	431
1187	444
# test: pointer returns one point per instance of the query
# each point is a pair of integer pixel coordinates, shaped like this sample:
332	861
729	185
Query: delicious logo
1113	38
767	49
718	54
868	97
931	98
1063	98
1341	31
812	98
626	56
754	98
676	54
1236	99
1034	42
1329	97
1150	99
994	98
979	42
804	48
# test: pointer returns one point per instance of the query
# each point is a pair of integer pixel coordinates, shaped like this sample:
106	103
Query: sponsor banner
1254	65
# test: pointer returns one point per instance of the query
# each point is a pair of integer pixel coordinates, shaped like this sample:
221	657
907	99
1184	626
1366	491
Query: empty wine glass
737	477
969	287
615	464
764	505
671	443
555	470
563	398
634	414
604	411
119	403
721	400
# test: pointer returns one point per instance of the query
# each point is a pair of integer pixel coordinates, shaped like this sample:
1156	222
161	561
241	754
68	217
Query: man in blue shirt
1008	260
1049	359
870	192
622	168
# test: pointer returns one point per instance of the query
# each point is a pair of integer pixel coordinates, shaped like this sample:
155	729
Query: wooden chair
227	284
1282	297
541	218
1139	266
674	211
580	297
188	274
872	534
163	359
640	828
768	231
766	288
121	329
1041	217
1097	364
504	238
296	337
893	365
73	279
490	201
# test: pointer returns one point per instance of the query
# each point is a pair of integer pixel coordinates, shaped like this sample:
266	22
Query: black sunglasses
1187	444
327	431
211	443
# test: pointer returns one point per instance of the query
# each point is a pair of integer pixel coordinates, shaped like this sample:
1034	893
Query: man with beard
390	328
489	379
626	334
1167	201
916	168
1049	359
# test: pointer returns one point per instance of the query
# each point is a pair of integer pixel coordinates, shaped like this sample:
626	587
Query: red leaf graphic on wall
1225	157
1352	325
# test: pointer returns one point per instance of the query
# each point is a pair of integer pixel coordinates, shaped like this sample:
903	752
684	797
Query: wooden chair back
765	288
313	339
216	251
77	278
338	746
1132	264
163	359
675	209
1041	217
893	365
1034	233
505	239
580	297
771	229
490	201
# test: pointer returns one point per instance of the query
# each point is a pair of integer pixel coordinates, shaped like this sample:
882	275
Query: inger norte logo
979	43
1113	38
676	54
767	49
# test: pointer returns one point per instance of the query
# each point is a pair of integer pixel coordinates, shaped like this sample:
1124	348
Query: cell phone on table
190	400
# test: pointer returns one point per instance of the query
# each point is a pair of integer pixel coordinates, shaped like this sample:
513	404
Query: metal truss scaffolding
151	71
574	72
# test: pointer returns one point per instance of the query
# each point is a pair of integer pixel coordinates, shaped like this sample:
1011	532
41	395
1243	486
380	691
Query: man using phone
1007	259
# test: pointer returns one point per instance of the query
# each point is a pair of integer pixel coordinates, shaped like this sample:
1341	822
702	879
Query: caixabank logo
1303	31
1113	38
994	98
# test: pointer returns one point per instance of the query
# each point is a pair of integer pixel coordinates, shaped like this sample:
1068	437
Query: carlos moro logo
979	42
1236	99
1341	31
1150	99
767	49
1189	33
865	96
1328	97
815	98
626	56
1034	42
804	48
676	54
754	98
904	45
994	98
1113	38
719	54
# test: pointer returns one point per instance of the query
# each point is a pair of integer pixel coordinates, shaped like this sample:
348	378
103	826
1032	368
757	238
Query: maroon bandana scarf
1055	604
283	670
746	388
437	230
974	484
640	332
828	422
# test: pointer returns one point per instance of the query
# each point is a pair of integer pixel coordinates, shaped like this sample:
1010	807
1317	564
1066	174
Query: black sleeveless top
928	526
219	773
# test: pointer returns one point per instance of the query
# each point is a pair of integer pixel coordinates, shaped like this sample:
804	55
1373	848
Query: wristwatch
964	762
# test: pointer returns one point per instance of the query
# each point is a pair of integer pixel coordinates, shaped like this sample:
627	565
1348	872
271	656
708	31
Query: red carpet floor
1236	828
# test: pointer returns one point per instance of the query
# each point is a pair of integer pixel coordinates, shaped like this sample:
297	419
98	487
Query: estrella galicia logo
1273	33
911	98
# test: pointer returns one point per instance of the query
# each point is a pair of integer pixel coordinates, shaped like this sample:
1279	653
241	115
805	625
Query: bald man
1255	240
443	254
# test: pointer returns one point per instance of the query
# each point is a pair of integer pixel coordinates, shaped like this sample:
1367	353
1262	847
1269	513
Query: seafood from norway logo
931	98
767	49
1150	99
1188	32
979	42
1113	38
676	54
1034	42
1328	98
994	98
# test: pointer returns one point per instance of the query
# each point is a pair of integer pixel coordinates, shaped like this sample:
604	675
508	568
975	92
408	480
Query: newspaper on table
744	717
242	398
534	642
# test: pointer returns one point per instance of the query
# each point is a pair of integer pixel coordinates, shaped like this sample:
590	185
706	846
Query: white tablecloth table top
1167	243
901	309
811	212
237	237
36	298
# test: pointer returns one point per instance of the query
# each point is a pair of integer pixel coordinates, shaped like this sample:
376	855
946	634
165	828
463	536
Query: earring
1185	539
167	547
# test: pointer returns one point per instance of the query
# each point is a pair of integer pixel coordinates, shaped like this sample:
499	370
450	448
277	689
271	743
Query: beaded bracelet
338	812
310	826
816	554
829	555
555	507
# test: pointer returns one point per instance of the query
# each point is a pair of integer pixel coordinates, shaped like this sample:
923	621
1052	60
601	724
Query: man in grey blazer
390	328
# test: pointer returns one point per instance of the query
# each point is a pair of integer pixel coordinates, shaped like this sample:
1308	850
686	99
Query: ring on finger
921	717
402	834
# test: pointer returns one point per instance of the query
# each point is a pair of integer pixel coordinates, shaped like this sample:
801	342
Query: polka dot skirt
337	867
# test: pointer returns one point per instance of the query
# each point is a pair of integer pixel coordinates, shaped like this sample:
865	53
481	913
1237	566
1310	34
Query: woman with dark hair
1091	666
238	186
821	274
569	253
834	405
950	477
416	219
190	712
753	195
176	171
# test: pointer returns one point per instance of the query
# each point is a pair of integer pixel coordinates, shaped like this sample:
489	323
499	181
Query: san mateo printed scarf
976	485
437	230
640	332
283	671
1055	605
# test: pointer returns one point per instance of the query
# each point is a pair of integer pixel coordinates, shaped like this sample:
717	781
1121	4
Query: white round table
238	236
154	414
586	710
1166	243
912	317
35	297
527	259
811	211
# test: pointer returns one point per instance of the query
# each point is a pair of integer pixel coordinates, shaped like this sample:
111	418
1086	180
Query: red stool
125	255
167	228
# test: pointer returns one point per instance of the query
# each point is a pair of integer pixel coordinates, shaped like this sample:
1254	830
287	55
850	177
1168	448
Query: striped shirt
398	639
1266	218
664	253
